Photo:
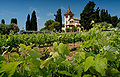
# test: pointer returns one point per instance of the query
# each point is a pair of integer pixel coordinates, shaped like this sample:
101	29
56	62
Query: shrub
104	24
67	29
118	25
74	29
5	29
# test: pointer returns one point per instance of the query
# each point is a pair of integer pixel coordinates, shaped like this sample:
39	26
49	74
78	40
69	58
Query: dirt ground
73	47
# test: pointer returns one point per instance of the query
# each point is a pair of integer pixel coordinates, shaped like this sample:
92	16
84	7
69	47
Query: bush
74	29
67	29
118	25
104	24
5	29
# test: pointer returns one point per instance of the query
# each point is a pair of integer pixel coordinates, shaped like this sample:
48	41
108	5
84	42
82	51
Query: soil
73	47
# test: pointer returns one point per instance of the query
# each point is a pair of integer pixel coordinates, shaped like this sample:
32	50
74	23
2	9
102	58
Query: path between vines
72	46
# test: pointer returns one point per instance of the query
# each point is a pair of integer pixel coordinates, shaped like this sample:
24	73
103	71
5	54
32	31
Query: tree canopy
14	20
5	29
58	18
28	25
2	21
34	21
87	15
48	23
31	24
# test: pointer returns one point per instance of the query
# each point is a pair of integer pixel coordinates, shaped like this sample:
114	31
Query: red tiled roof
69	12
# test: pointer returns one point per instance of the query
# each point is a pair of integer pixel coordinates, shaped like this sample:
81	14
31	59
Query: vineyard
98	54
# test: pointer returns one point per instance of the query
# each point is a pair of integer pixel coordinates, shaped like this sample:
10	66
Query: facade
70	21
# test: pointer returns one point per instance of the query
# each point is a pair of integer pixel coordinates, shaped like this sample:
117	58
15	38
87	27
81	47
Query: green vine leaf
88	63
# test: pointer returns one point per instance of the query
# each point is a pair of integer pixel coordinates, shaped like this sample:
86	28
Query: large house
70	21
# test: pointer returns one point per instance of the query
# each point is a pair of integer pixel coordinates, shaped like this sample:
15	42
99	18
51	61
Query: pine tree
28	25
58	18
88	15
2	21
34	21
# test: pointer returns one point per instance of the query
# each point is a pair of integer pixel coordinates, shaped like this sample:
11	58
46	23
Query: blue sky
45	9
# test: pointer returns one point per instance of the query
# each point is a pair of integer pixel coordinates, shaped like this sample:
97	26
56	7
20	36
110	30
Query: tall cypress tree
58	18
2	21
88	15
28	25
34	21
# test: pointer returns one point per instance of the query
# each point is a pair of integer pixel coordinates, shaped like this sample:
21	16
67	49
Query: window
66	16
71	21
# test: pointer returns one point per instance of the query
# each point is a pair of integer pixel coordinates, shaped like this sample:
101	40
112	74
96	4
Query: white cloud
50	14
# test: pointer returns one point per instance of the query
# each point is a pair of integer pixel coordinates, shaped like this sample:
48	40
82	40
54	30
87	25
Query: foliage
97	15
55	26
5	29
97	56
74	29
2	21
68	29
14	27
88	15
58	18
114	21
14	20
34	21
104	24
104	16
28	23
48	23
118	25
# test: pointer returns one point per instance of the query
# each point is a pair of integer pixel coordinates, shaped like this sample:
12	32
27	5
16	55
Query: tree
114	21
2	21
48	23
34	21
109	18
5	29
55	26
14	27
105	16
102	15
97	17
88	15
58	18
14	20
28	25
